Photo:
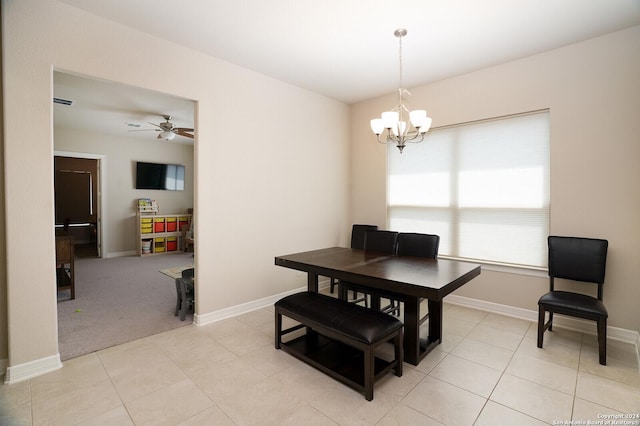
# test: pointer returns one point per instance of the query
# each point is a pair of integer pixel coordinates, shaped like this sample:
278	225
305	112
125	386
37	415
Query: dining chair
417	245
357	242
185	290
580	260
384	242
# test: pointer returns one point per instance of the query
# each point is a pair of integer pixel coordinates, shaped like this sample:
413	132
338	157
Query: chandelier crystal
400	125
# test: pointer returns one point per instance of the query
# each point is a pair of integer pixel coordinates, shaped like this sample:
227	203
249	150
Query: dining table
405	278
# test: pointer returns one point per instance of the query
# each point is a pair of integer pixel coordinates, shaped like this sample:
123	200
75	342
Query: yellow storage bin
159	245
146	220
146	229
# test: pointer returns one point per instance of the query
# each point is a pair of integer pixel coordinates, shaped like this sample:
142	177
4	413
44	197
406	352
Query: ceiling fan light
167	135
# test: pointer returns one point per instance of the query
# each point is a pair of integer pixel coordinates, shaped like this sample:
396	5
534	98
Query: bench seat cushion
352	321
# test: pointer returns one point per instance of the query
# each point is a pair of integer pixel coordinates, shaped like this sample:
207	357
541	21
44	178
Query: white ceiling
116	109
345	49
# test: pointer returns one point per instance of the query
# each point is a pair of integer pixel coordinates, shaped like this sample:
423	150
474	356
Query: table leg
435	321
411	330
415	348
312	282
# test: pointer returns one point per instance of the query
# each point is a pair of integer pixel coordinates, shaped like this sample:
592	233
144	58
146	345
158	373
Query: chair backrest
381	241
578	259
357	235
188	273
420	245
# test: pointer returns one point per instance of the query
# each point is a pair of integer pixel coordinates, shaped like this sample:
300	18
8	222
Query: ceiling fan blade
183	129
182	132
144	130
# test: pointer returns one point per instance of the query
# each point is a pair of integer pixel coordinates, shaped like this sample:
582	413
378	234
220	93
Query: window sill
505	268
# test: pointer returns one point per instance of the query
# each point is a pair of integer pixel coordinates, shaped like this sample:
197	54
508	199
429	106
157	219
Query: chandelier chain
400	63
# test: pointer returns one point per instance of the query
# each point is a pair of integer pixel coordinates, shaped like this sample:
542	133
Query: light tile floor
488	371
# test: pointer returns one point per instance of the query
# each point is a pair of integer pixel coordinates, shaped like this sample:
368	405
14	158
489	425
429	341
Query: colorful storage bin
159	245
172	224
158	224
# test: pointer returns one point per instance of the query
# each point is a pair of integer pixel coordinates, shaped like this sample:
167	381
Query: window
482	186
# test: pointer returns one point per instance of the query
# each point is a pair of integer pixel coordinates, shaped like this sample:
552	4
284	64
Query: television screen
159	176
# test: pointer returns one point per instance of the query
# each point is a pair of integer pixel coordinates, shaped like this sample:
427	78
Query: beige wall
593	92
260	173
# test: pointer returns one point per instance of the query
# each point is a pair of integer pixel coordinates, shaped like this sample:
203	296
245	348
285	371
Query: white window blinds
483	187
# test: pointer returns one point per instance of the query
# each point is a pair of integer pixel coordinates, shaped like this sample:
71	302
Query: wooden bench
341	338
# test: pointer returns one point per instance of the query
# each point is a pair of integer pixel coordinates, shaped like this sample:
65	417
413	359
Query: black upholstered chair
418	245
357	242
576	259
185	293
381	241
384	242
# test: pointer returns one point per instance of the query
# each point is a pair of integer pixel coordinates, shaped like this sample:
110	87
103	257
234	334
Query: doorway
77	202
106	120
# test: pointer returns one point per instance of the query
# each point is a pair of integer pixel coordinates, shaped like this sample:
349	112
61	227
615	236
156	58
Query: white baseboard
233	311
569	323
119	254
243	308
28	370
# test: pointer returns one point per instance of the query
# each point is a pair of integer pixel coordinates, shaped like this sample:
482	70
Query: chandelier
401	126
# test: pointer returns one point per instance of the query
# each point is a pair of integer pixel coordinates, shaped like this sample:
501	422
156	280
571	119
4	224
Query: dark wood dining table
408	279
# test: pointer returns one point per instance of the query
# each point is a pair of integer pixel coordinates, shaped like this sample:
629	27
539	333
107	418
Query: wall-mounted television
159	176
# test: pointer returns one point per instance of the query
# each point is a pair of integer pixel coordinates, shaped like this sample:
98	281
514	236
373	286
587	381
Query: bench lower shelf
336	359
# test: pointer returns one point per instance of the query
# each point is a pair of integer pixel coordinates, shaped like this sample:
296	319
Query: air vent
61	101
129	124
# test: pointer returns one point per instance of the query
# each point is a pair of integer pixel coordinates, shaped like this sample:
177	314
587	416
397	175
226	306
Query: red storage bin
158	227
172	244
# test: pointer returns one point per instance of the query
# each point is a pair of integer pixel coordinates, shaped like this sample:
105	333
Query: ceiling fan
169	131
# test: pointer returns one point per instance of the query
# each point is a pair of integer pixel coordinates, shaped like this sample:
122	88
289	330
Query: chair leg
602	341
399	353
183	309
540	325
178	299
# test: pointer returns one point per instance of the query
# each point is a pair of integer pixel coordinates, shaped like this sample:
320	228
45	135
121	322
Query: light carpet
118	300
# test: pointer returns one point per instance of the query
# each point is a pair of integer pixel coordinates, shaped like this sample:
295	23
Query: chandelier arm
415	139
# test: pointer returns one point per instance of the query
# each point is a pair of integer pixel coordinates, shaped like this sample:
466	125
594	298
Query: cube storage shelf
159	234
